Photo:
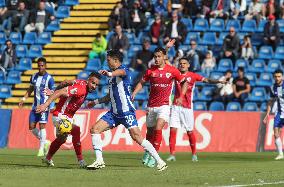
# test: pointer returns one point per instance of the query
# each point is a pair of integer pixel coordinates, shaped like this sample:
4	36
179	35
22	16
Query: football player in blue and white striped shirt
122	111
38	83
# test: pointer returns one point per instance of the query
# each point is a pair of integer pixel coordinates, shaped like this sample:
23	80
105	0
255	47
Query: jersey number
129	119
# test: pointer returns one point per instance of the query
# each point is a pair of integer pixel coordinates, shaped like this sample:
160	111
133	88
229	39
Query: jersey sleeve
146	76
198	77
31	80
76	90
51	84
271	92
177	75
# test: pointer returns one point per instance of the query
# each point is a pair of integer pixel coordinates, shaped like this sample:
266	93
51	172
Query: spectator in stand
157	31
32	5
160	8
271	8
206	8
208	64
194	55
238	7
2	13
119	15
247	51
8	57
137	18
241	86
175	30
281	6
231	45
118	40
19	20
225	91
39	19
8	11
174	6
98	47
271	32
220	9
190	8
255	11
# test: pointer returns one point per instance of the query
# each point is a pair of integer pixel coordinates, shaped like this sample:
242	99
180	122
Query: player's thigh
163	116
151	117
175	117
128	120
33	119
187	119
106	122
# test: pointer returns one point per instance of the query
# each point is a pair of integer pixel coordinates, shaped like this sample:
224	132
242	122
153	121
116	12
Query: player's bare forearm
104	99
138	87
29	91
55	95
269	105
184	88
65	84
118	72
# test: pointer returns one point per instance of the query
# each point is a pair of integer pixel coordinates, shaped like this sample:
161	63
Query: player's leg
44	143
33	120
278	143
75	132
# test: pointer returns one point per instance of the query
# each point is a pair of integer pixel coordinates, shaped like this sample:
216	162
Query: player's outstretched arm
137	88
55	95
115	73
104	99
214	81
268	109
27	94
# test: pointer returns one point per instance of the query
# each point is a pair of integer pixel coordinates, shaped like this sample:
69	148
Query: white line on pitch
258	184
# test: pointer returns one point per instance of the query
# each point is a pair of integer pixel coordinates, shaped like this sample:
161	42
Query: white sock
98	146
35	132
42	138
278	143
149	147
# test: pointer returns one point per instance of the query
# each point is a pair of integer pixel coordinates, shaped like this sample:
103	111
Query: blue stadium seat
249	26
250	107
233	106
24	64
71	2
54	25
105	91
256	39
2	3
184	48
152	47
281	25
83	75
93	95
251	77
14	77
187	22
21	51
257	66
221	38
261	25
195	94
273	64
279	53
233	23
206	94
265	52
216	75
142	94
258	94
217	25
199	106
16	37
3	38
104	80
241	36
225	64
134	76
30	38
5	91
209	38
136	105
216	106
62	12
93	65
241	63
35	51
217	49
192	36
265	79
263	107
201	25
44	38
2	77
131	37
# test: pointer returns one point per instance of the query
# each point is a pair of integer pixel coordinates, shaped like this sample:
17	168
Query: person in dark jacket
8	57
231	45
18	20
137	18
118	40
271	32
157	31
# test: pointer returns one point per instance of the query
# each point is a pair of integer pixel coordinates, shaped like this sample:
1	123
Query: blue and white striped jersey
120	94
40	83
278	93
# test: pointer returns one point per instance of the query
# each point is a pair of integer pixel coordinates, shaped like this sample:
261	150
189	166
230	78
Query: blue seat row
231	106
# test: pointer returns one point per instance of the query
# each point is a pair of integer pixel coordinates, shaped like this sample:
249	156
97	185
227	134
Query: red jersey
77	94
191	78
161	84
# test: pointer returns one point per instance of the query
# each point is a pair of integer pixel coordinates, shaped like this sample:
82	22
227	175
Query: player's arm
268	109
184	88
104	99
63	84
137	88
27	94
170	44
58	93
214	81
115	73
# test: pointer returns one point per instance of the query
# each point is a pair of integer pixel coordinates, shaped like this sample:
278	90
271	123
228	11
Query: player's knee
31	127
41	126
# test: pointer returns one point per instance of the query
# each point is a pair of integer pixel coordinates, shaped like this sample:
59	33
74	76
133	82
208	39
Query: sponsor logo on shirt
73	91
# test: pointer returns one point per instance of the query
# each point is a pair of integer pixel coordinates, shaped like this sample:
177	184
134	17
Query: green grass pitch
22	168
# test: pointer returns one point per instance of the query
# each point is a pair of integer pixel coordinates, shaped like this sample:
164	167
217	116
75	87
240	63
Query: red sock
150	137
173	136
192	141
157	139
75	132
54	146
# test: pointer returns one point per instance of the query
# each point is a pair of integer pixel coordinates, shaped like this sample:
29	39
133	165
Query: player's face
41	67
93	82
112	62
159	58
278	77
183	65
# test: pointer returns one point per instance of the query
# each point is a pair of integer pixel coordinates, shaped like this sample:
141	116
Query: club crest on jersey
168	75
73	91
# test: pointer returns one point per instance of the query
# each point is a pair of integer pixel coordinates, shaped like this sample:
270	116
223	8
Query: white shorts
182	118
153	113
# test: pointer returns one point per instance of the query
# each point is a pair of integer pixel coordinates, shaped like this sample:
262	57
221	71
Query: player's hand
133	97
223	82
171	43
40	108
105	73
21	103
48	92
179	101
91	104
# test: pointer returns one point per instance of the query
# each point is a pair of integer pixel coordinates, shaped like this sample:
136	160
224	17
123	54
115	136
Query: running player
182	113
71	99
38	83
122	111
277	91
161	77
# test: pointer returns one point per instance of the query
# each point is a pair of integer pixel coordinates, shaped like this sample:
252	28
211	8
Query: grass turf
23	168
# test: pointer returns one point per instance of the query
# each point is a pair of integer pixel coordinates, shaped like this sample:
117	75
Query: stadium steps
68	53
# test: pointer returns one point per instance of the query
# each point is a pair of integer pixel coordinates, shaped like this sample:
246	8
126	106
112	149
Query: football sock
54	146
278	143
149	147
173	136
192	141
149	136
35	132
98	146
157	139
42	139
75	132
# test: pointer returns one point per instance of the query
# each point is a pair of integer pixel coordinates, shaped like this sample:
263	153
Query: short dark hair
228	71
41	59
160	49
184	58
98	35
8	41
114	53
241	69
95	74
278	71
